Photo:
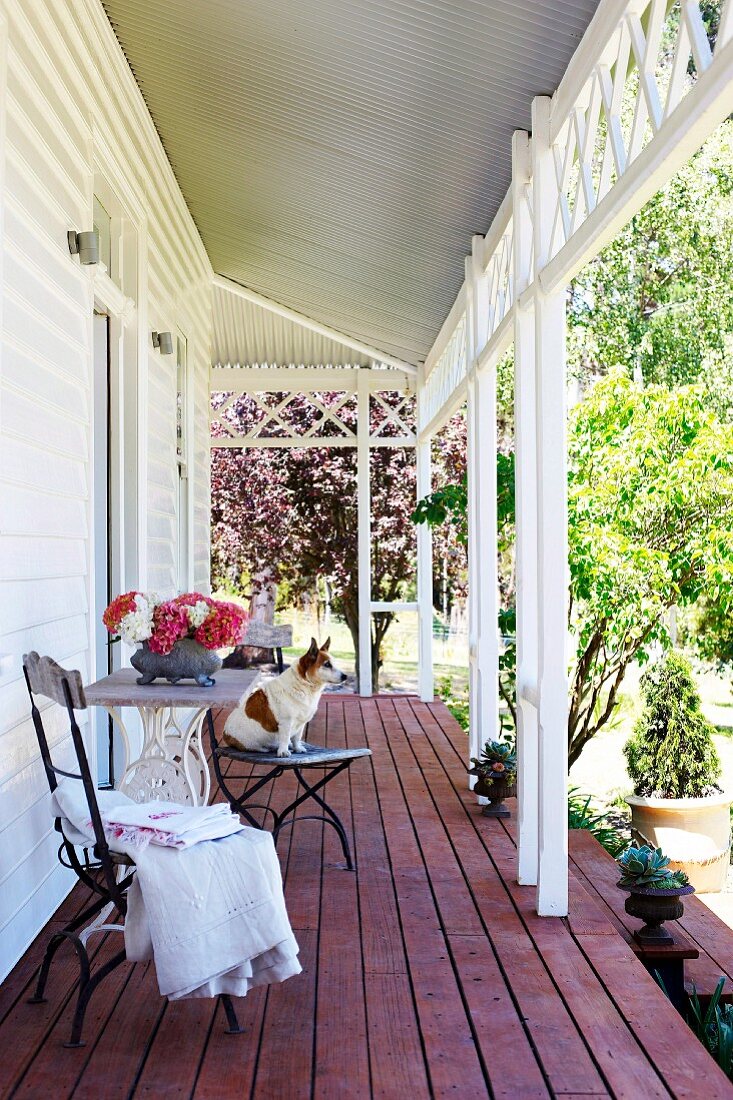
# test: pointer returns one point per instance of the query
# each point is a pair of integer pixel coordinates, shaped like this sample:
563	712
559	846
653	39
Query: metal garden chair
106	874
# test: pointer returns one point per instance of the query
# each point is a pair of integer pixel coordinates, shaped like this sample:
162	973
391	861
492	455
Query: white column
474	700
526	525
424	579
483	583
487	574
364	656
552	878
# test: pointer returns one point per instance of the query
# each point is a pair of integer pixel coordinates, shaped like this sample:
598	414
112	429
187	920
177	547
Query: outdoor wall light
164	341
84	245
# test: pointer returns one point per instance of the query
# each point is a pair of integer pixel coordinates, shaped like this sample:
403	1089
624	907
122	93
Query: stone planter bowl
496	791
654	907
188	660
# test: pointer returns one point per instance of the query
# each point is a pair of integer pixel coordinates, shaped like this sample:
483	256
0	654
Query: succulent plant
498	760
649	867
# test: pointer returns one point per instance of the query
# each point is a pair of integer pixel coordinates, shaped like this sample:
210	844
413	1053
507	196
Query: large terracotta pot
693	832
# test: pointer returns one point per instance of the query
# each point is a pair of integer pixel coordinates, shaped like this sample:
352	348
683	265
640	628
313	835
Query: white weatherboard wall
68	106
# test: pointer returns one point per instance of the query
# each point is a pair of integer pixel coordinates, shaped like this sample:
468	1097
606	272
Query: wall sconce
164	341
84	245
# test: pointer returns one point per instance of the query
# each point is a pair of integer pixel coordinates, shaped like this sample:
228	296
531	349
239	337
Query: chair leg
85	993
68	933
54	943
332	818
234	1027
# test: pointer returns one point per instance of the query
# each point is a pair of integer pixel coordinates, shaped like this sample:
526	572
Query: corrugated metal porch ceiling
337	155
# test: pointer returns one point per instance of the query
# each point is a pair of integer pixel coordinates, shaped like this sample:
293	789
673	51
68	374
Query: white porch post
552	558
364	656
424	578
526	522
474	701
483	582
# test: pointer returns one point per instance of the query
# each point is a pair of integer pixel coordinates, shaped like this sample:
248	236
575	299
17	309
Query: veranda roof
338	155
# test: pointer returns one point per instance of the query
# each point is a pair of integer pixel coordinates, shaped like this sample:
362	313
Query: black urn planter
496	790
188	660
654	907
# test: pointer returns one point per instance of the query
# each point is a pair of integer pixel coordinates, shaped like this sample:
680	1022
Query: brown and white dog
274	714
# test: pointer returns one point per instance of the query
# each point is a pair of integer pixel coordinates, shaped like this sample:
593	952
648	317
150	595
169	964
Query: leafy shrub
714	1028
456	704
582	816
671	753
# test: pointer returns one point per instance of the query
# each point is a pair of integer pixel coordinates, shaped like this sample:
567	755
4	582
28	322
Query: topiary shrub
671	752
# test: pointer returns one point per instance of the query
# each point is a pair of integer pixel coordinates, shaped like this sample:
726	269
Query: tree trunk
261	610
380	626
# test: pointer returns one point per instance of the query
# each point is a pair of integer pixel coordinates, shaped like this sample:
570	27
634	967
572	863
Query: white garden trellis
372	409
643	91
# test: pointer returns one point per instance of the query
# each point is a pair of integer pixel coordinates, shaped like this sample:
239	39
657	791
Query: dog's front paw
283	752
299	747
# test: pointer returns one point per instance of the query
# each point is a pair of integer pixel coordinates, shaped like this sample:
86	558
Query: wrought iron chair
106	874
331	762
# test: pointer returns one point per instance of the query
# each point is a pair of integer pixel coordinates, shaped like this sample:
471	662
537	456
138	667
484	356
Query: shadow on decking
426	973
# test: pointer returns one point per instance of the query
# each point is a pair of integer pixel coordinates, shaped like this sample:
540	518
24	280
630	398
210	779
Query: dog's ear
326	645
309	658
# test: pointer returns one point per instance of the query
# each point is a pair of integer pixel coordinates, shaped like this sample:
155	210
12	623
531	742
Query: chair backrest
43	676
266	636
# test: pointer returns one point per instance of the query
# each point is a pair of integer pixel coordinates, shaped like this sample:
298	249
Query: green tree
650	527
658	297
671	752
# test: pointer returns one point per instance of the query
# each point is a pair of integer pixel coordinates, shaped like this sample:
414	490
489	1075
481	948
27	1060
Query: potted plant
654	891
496	772
178	638
677	804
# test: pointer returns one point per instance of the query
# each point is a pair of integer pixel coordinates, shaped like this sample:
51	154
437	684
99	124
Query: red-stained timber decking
425	974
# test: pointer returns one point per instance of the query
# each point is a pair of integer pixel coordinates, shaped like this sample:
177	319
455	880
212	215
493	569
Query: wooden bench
702	941
264	636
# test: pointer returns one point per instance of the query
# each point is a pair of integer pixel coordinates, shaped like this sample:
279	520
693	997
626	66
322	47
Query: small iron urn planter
188	660
654	907
496	790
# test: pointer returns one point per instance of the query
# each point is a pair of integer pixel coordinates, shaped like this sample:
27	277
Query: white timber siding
69	107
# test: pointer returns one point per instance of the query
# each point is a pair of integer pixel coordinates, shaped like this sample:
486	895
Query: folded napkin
168	823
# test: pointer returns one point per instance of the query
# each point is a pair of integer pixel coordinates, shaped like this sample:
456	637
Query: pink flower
120	606
170	624
223	626
190	599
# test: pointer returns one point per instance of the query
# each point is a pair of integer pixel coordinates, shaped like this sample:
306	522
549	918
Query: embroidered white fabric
212	914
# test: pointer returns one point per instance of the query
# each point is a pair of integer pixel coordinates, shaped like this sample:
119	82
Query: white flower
197	613
137	626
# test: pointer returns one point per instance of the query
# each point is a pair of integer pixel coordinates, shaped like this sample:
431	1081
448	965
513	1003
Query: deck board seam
444	932
355	844
551	977
497	957
398	908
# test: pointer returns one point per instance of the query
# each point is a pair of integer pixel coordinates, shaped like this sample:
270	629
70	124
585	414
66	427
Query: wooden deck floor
425	974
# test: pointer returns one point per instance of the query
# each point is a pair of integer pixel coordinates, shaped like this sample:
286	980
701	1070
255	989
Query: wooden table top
121	689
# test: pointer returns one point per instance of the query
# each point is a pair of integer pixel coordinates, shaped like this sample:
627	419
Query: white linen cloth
211	915
168	823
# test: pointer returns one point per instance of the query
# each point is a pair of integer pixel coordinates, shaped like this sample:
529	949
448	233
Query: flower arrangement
139	617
